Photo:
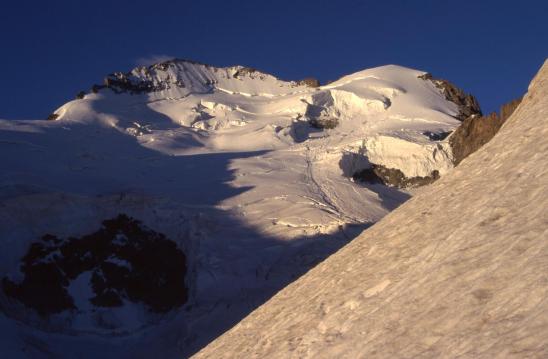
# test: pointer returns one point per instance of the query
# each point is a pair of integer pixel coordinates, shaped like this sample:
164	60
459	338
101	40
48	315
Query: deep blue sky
52	49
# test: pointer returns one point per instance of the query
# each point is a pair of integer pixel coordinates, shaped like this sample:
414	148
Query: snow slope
224	162
460	270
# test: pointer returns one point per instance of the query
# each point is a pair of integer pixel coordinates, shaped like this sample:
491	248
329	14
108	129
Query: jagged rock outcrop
180	73
310	82
467	104
176	73
393	177
244	71
324	123
476	131
121	82
127	262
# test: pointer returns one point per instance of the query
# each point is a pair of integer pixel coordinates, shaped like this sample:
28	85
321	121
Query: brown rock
393	177
468	105
244	71
309	81
508	109
476	131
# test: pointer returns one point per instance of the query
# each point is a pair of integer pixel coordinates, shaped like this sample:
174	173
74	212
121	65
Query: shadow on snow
237	268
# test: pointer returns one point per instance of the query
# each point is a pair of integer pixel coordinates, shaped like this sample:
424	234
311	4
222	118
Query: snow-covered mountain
459	271
246	180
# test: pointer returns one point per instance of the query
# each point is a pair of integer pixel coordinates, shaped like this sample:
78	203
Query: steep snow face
460	270
249	176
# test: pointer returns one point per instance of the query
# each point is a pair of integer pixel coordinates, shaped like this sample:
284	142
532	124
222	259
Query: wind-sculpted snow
458	271
250	176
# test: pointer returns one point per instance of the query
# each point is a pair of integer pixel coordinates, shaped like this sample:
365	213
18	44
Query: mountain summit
181	77
158	209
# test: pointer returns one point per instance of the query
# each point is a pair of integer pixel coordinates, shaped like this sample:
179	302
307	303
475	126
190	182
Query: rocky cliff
467	104
476	130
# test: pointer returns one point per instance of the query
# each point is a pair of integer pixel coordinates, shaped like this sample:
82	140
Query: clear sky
52	49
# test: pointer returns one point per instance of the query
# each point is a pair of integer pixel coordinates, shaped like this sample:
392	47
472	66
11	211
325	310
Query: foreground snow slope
223	161
460	270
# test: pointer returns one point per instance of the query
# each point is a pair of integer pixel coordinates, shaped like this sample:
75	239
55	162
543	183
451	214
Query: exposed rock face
476	131
129	82
144	79
508	109
324	122
393	177
244	71
52	117
120	82
127	261
468	105
310	82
